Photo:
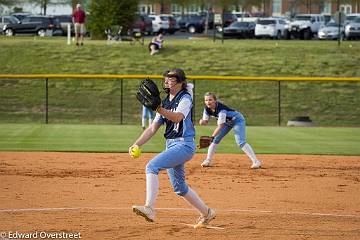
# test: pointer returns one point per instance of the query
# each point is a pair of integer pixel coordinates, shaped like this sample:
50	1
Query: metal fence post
279	102
46	101
121	101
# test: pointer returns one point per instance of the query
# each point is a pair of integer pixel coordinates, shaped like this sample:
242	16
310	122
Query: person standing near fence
78	18
227	119
175	112
147	113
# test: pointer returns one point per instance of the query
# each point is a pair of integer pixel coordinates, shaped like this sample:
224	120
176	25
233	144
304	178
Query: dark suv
64	21
21	15
192	23
38	25
4	20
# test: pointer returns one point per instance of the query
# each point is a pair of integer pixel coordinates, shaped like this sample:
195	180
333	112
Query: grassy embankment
88	101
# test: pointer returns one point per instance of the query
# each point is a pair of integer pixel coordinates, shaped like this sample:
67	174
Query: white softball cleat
147	212
256	165
207	219
206	163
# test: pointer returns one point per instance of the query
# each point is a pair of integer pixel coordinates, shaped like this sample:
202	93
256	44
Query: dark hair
178	73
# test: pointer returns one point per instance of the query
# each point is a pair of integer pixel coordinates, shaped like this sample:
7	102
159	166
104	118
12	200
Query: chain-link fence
113	101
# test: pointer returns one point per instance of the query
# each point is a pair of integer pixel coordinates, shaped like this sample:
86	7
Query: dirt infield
90	194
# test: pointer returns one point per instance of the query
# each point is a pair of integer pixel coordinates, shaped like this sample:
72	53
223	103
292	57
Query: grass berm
98	101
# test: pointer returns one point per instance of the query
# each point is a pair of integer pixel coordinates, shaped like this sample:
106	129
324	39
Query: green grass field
196	56
116	138
84	114
98	101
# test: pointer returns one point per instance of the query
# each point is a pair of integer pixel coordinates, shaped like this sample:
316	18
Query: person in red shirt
79	24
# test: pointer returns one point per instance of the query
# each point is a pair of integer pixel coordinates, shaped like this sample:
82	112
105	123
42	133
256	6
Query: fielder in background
227	119
147	113
175	112
79	24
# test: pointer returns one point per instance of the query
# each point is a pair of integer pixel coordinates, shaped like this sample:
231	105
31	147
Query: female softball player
175	112
227	119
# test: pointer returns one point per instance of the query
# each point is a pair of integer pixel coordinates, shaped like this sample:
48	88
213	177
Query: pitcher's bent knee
150	168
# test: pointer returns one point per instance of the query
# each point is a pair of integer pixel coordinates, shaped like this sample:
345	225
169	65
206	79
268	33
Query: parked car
352	30
305	26
331	31
270	27
327	18
38	25
144	24
229	18
64	21
210	18
241	15
7	20
191	23
21	15
173	25
351	17
159	23
240	30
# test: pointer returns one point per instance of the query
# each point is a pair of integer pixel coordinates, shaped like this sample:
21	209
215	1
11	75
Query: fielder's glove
148	94
205	141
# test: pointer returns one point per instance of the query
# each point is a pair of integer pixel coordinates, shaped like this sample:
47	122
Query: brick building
266	8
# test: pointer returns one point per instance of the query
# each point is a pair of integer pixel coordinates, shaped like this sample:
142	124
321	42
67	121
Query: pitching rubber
200	225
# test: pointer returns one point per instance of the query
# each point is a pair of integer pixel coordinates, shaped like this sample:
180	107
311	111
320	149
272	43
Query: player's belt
180	139
230	119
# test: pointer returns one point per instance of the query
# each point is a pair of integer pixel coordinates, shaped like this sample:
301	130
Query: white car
305	26
351	17
270	27
160	23
352	30
331	31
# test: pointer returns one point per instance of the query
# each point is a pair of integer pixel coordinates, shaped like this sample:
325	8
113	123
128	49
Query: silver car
6	20
331	31
352	30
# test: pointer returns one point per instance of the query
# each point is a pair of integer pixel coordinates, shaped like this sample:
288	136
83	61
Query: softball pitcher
175	113
227	119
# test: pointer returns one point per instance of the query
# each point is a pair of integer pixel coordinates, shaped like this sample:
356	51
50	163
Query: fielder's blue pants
238	124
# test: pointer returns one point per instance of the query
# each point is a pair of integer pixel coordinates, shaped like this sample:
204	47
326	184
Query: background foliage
107	13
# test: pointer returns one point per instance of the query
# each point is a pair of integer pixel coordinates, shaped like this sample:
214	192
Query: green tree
107	13
6	2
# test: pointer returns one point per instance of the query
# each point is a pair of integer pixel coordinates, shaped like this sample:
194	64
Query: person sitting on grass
156	43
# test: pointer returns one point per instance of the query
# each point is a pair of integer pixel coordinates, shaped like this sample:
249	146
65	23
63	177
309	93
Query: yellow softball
135	152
